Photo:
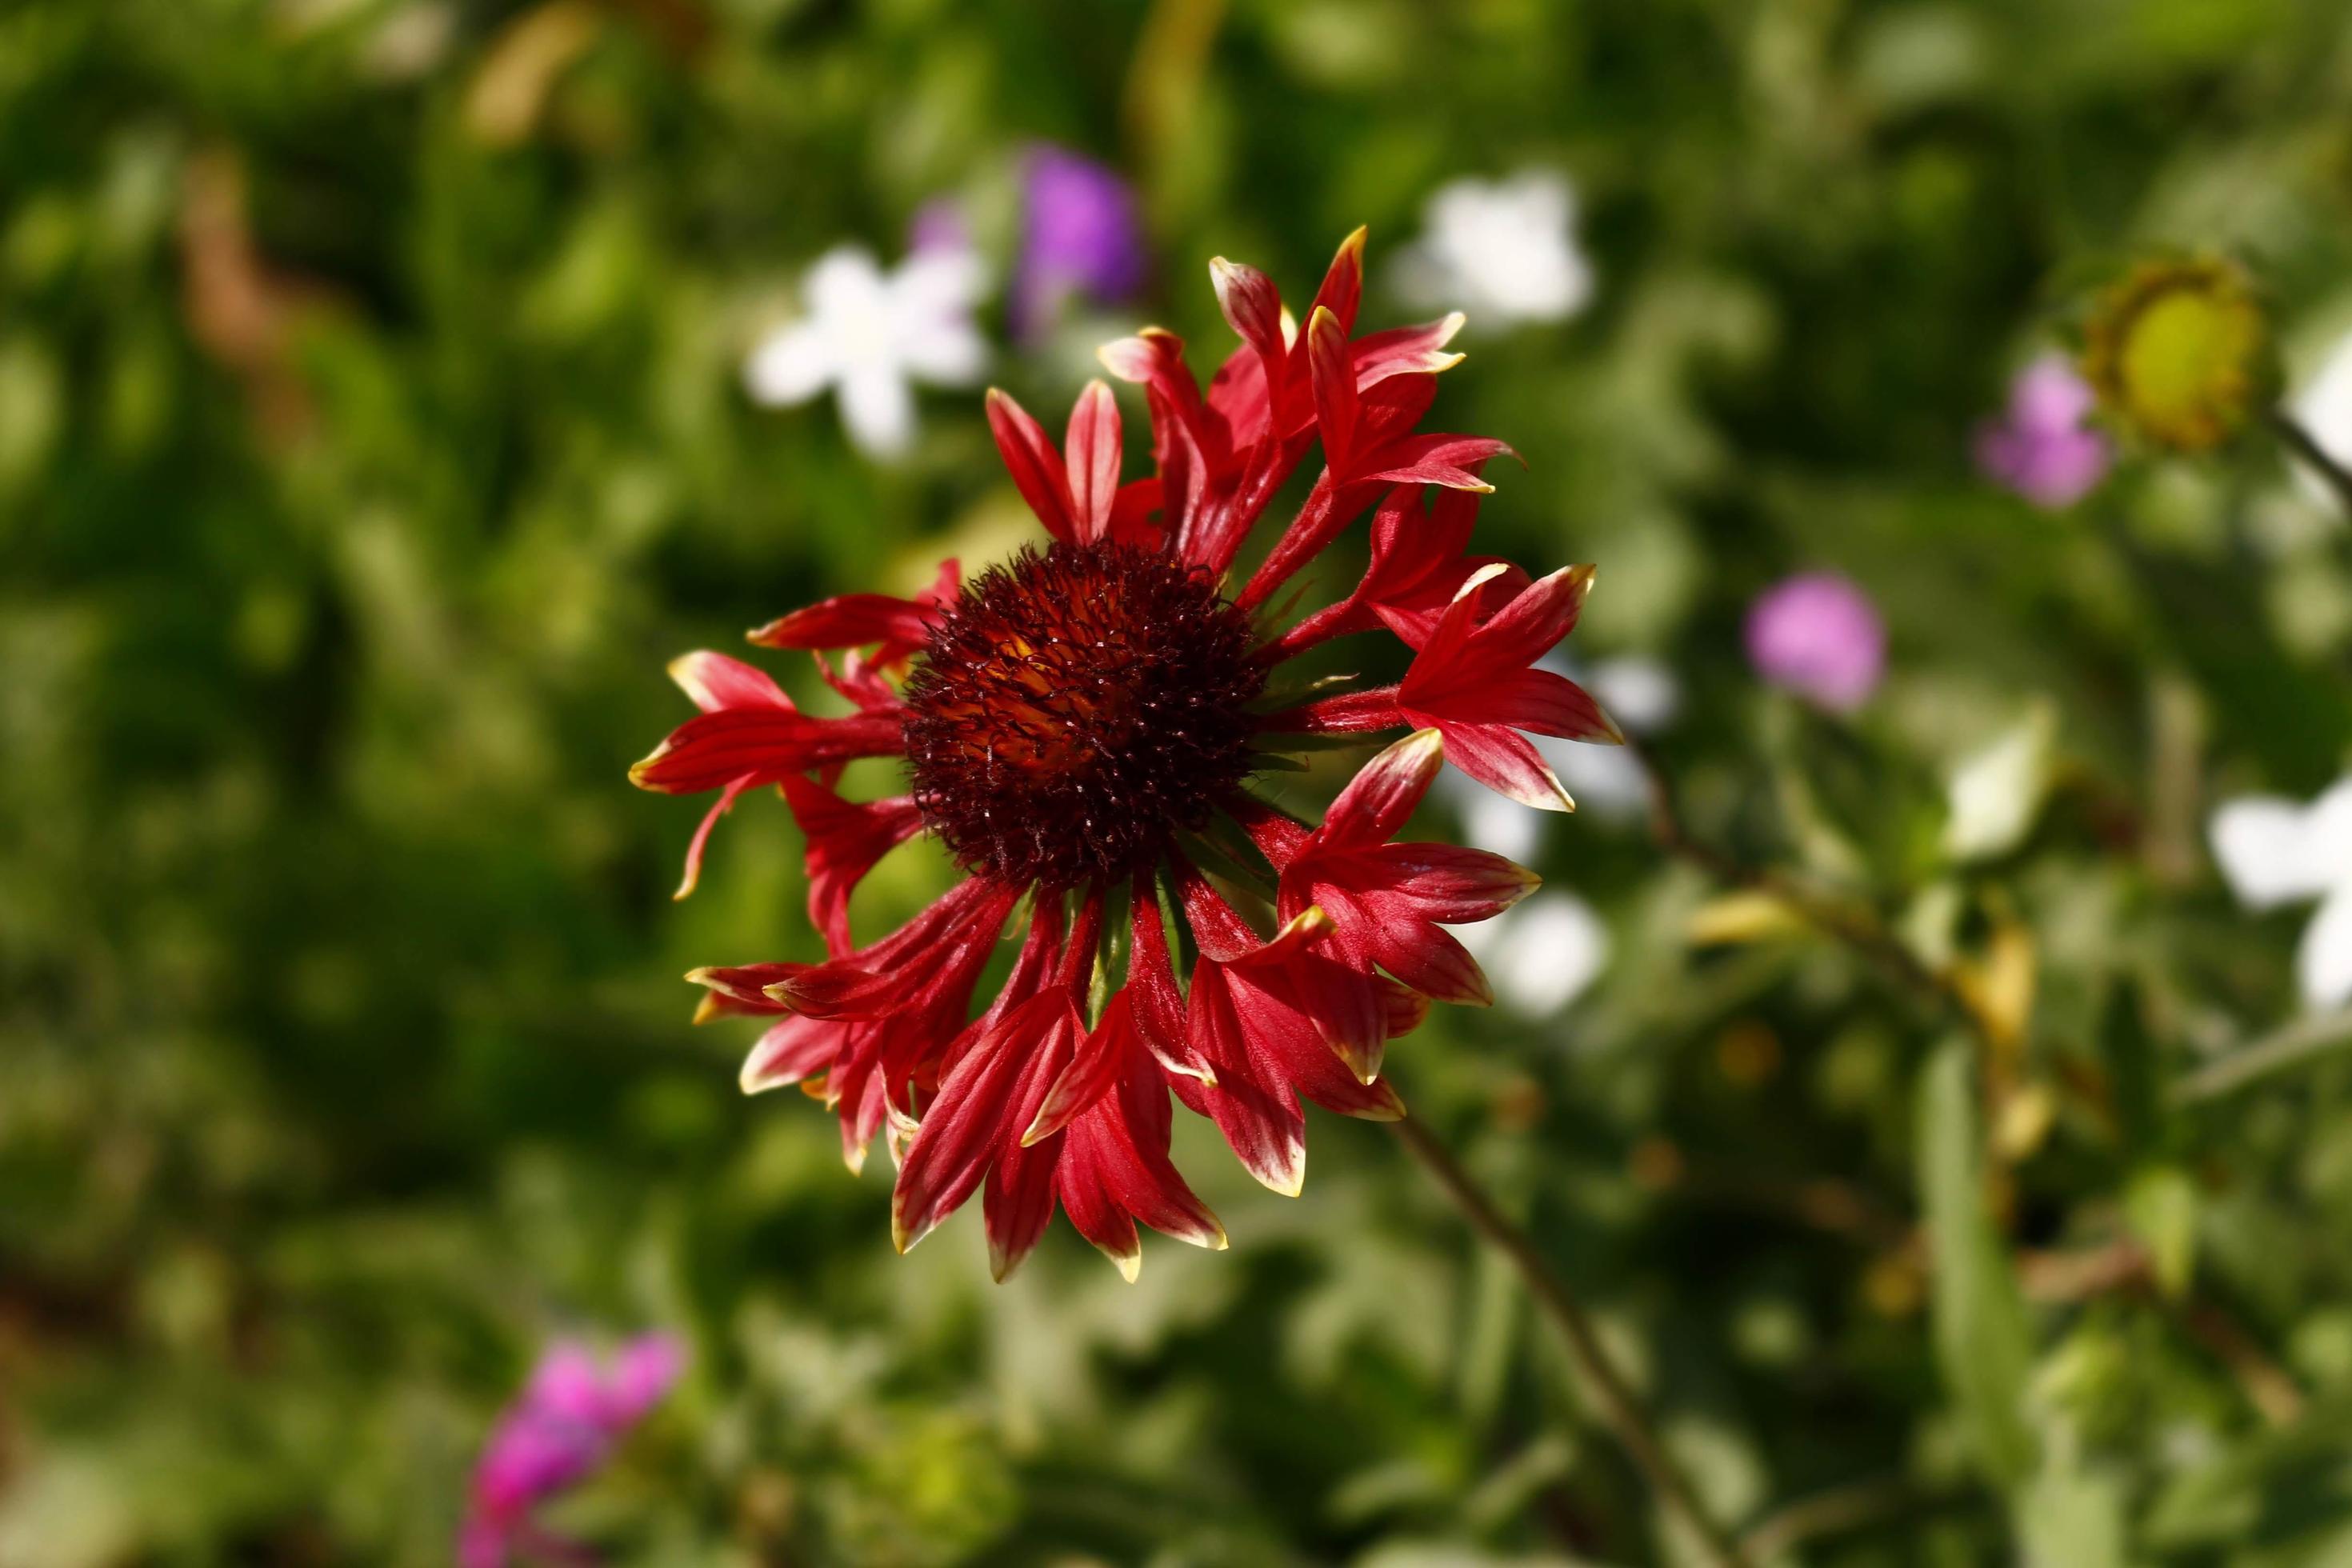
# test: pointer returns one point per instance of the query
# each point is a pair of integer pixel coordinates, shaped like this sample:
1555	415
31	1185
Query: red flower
1081	728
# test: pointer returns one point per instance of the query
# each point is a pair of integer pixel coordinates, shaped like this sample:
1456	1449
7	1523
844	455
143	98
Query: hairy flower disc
1074	711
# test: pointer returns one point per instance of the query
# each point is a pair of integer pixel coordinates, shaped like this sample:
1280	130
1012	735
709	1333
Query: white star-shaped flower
1504	251
869	334
2274	852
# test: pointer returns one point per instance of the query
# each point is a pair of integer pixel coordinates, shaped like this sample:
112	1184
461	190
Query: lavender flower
1818	635
2043	448
1082	234
561	1430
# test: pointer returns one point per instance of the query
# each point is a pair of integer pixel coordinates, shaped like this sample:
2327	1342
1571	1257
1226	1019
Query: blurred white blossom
869	334
1540	955
2274	852
1504	251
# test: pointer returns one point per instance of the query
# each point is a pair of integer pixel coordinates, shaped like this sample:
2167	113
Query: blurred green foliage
370	434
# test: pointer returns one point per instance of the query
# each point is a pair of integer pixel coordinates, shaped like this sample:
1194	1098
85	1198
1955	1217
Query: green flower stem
1845	1509
2303	445
2304	1040
1620	1408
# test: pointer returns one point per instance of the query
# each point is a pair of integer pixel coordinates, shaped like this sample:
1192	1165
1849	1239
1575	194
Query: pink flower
561	1430
2042	447
1818	635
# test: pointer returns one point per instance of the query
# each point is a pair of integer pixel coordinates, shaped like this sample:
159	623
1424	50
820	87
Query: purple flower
1081	234
2043	448
1818	635
561	1430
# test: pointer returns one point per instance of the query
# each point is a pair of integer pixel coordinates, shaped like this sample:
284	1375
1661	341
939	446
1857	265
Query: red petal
724	804
1441	882
852	620
1505	761
1334	1001
714	681
1083	1186
1018	1203
838	990
715	749
1336	411
1406	351
1536	700
1253	307
1449	460
1402	1009
1432	961
1036	468
1533	624
1131	509
1261	1121
744	985
1144	1180
845	840
1094	458
1343	713
1115	1170
789	1051
966	1126
1382	795
1151	978
1093	1066
1343	283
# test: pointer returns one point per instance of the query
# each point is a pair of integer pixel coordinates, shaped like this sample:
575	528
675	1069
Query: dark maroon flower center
1074	711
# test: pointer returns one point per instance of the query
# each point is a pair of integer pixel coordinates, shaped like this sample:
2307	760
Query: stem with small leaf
1619	1406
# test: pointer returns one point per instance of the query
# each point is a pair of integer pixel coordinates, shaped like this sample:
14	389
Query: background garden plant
1947	1156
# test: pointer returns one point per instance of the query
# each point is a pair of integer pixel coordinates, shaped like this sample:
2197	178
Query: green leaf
2072	1517
2161	1204
1982	1340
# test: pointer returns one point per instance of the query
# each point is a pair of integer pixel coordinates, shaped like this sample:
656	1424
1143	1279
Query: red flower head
1084	726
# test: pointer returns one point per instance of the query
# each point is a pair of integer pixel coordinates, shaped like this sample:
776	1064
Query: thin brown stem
2306	445
1841	1510
1840	920
1619	1406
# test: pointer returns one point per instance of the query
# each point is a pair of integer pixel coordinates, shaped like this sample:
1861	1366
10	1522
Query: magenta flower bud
1818	635
2043	448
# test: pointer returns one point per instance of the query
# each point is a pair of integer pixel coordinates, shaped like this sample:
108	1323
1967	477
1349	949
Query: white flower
1505	252
2274	852
868	333
1541	954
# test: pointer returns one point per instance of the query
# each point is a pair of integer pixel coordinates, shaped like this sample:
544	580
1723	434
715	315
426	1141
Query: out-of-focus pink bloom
1818	635
2043	446
1082	234
939	224
559	1431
